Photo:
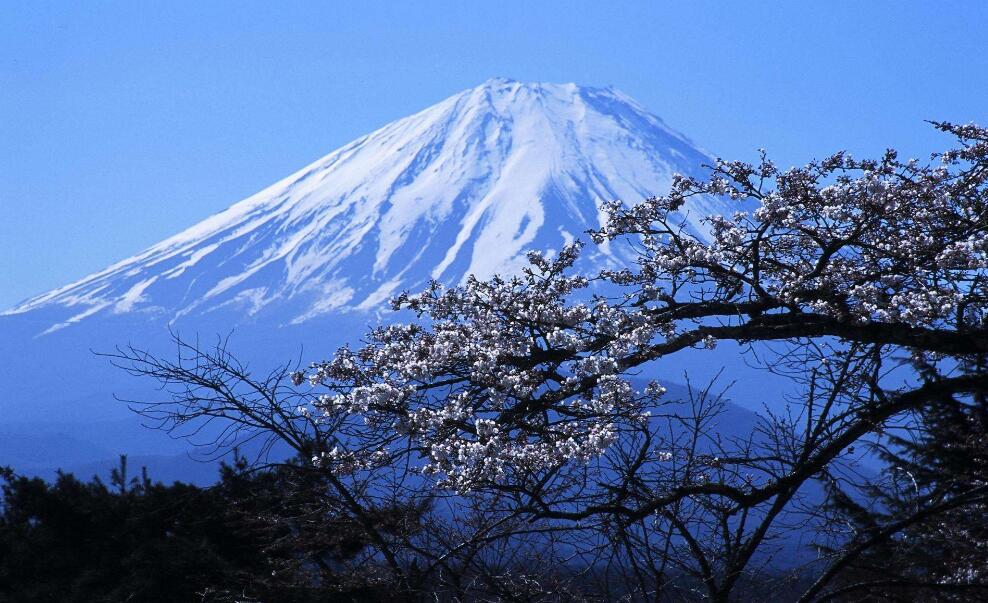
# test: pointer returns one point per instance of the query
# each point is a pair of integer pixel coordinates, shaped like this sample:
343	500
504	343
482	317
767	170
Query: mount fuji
464	187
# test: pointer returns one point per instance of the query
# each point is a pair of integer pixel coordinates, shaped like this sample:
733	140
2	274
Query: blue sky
124	122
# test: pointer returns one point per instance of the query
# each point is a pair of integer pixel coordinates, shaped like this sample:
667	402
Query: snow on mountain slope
463	187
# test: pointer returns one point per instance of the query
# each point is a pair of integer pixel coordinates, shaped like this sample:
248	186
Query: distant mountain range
463	187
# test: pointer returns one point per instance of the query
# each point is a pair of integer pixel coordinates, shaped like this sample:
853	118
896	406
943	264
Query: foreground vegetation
495	446
254	536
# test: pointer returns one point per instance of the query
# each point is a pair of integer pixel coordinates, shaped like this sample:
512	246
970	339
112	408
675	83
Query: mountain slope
463	187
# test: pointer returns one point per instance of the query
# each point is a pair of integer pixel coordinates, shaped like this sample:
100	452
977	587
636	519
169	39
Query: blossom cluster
517	376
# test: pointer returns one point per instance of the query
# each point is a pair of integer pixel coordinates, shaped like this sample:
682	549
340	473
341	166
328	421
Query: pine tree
928	516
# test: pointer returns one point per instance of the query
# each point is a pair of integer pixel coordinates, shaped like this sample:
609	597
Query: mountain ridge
465	186
300	267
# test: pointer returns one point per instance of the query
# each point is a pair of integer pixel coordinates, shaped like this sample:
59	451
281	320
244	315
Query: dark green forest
250	537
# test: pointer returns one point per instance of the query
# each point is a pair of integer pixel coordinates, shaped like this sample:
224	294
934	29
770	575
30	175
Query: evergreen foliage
927	519
133	539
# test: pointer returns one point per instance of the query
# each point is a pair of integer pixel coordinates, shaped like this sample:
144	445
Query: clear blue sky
123	122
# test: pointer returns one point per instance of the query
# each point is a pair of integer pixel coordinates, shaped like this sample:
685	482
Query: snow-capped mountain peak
463	187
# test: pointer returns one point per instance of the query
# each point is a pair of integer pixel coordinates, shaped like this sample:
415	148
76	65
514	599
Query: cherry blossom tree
861	282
